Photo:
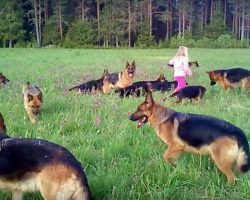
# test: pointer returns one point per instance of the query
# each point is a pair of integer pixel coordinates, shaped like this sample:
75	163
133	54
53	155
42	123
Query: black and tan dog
141	87
195	92
231	78
201	134
33	99
31	165
190	64
93	85
120	80
3	79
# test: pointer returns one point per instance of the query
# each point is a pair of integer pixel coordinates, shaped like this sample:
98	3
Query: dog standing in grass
32	165
33	99
201	134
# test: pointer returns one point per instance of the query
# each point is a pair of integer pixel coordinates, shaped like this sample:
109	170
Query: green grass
121	161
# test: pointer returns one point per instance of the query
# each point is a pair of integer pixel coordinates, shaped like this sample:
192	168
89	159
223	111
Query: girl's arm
171	63
187	69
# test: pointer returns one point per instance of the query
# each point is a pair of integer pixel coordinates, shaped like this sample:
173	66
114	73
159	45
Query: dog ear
127	64
133	63
149	97
2	125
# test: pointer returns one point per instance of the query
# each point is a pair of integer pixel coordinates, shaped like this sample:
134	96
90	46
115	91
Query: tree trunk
183	22
10	43
179	25
248	28
171	20
82	10
116	41
46	11
242	24
206	14
60	19
202	16
190	17
36	24
225	12
98	19
239	24
211	11
40	20
234	19
129	24
150	16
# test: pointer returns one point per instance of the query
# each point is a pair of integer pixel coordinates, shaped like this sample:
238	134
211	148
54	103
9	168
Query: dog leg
224	153
172	154
17	195
223	84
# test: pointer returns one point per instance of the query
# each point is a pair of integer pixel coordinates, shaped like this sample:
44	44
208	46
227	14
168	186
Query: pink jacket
181	67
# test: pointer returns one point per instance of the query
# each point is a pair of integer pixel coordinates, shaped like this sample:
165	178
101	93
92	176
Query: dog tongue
141	122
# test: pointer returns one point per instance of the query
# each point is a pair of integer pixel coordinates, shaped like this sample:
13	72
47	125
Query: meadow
121	161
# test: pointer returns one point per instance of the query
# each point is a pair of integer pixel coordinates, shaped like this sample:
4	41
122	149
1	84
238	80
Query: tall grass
121	161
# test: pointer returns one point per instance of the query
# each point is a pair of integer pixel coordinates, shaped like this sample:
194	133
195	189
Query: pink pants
181	82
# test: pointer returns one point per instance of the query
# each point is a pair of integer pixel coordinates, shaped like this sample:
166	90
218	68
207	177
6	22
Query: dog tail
73	88
243	158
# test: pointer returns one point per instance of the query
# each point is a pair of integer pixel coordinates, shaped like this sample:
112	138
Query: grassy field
121	161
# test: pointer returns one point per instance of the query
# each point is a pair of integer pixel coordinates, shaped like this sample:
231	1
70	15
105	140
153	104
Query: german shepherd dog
93	85
3	79
189	92
32	165
201	134
191	64
140	88
33	99
231	78
120	80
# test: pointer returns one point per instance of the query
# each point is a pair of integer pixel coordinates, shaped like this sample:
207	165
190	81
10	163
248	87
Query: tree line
124	23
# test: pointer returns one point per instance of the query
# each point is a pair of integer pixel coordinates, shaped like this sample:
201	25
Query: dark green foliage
51	35
144	39
10	23
216	27
80	34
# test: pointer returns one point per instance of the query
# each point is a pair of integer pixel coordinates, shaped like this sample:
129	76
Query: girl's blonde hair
182	51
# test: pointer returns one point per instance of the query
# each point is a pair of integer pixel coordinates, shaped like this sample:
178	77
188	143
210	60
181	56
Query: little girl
181	67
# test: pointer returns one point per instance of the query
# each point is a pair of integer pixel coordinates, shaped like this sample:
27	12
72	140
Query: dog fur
31	165
231	78
120	80
33	100
140	88
200	134
93	85
3	79
195	92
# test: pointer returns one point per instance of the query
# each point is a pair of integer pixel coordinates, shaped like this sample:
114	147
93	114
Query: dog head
3	79
214	77
105	74
144	111
2	124
196	64
33	97
130	68
35	102
161	78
